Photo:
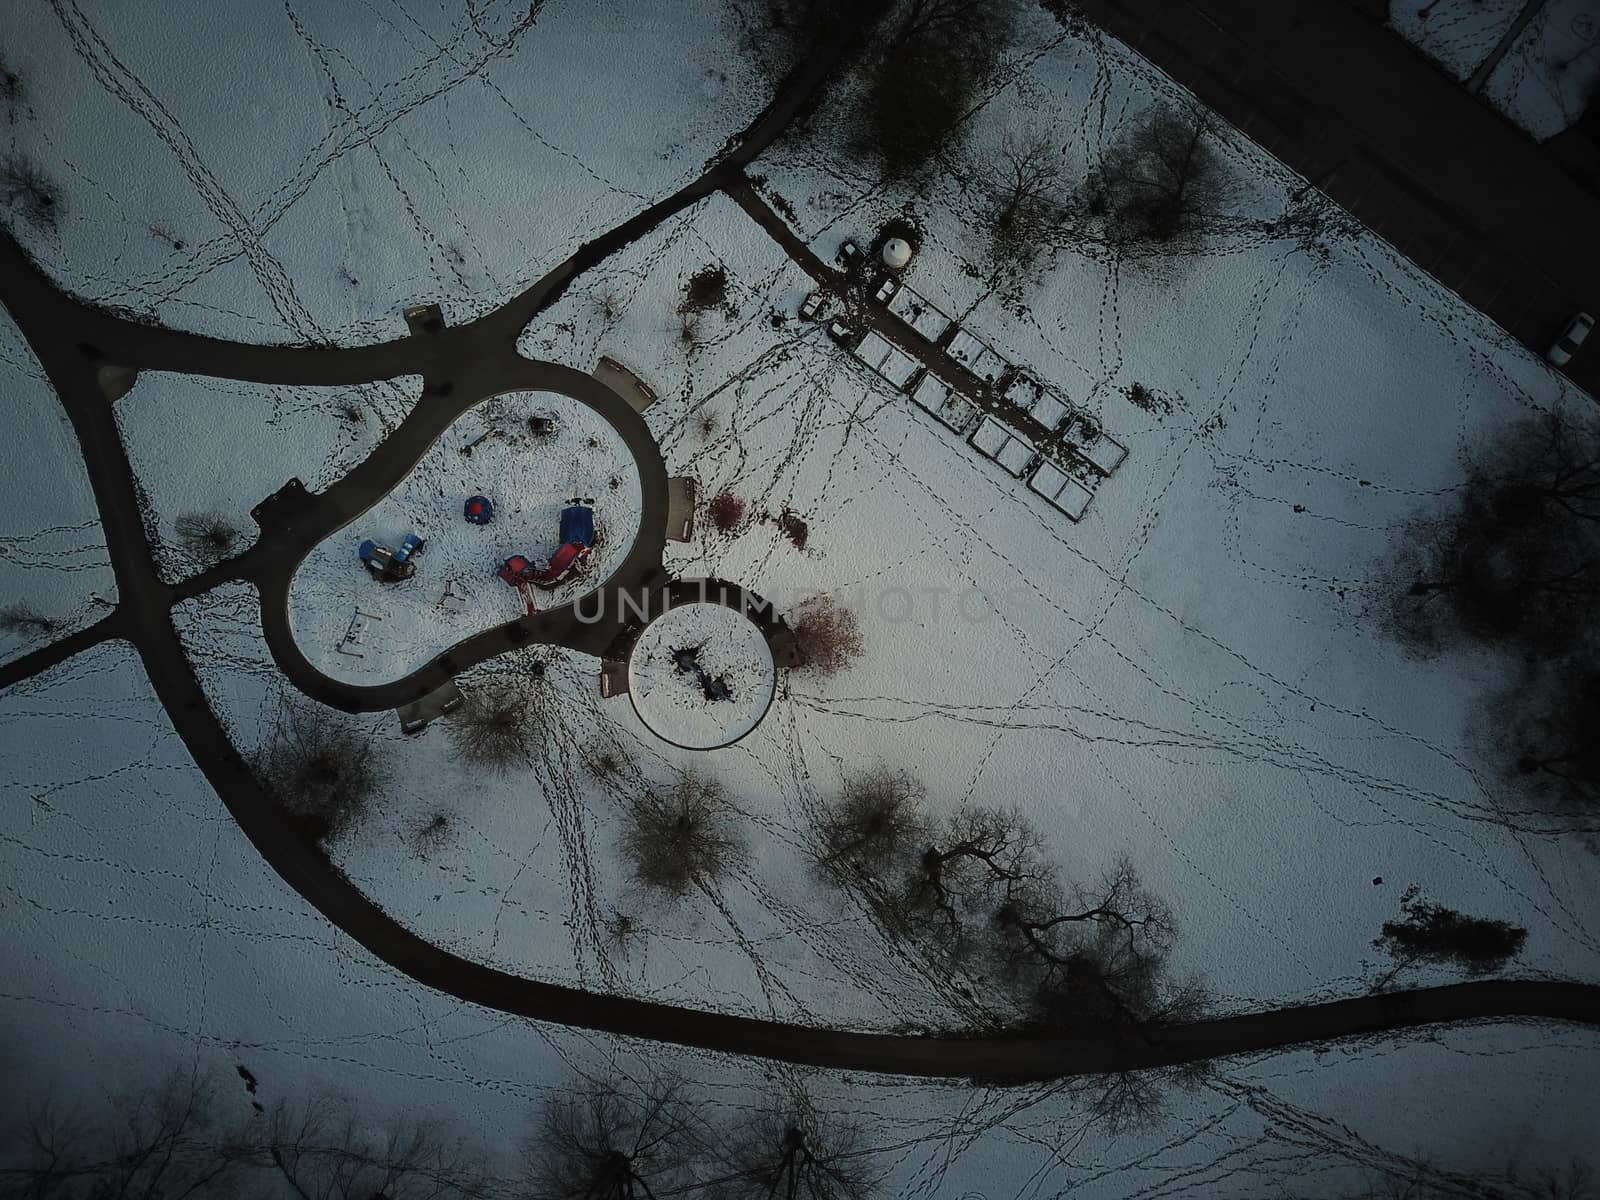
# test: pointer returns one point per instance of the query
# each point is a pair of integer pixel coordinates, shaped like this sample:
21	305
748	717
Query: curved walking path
291	531
461	366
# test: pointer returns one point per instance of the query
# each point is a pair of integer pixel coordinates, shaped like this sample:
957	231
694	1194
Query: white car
1571	338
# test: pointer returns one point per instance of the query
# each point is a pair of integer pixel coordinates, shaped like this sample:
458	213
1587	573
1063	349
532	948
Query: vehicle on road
1572	337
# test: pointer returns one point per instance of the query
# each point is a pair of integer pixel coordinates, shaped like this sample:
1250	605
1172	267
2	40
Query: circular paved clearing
688	651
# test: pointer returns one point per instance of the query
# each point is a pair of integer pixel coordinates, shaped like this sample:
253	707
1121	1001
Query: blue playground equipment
391	566
478	510
577	523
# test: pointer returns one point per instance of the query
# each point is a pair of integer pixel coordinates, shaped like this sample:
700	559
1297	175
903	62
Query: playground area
525	503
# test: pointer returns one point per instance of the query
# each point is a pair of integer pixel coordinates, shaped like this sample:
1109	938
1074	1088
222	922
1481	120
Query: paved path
74	343
1426	165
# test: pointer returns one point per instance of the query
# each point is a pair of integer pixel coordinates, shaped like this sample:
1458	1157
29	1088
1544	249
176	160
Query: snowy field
221	446
1263	763
1548	75
187	953
53	562
1193	675
487	451
355	161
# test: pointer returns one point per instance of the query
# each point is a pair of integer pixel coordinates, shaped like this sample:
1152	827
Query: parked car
1571	338
811	308
840	332
849	254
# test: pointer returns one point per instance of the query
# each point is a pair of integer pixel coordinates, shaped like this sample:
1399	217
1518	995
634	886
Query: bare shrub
608	305
1151	401
322	771
690	334
707	424
788	1148
794	527
431	834
29	193
206	537
614	1141
26	621
684	838
827	635
604	764
876	822
497	726
1160	183
726	511
707	289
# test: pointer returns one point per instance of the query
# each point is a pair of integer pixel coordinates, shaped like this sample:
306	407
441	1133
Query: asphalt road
1432	169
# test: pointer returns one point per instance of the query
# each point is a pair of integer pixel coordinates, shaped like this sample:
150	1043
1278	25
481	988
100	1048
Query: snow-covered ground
273	175
718	693
1192	675
1548	75
220	446
144	934
54	570
455	594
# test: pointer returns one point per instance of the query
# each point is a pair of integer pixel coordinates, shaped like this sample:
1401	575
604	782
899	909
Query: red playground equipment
570	558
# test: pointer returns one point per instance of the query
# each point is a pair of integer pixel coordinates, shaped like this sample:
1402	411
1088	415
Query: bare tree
1516	562
497	726
1160	183
790	1150
615	1141
206	537
686	837
1513	564
168	1142
827	635
321	769
1433	933
690	332
1545	724
27	192
608	305
978	891
323	1152
1023	187
876	823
